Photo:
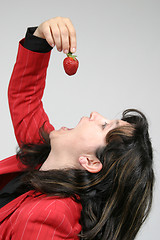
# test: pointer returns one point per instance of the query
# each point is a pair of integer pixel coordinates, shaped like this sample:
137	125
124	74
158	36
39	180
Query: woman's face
89	134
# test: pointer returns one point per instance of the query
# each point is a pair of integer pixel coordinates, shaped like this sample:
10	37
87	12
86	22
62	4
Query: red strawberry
70	64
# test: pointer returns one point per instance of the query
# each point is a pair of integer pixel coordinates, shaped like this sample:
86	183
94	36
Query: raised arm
28	79
25	92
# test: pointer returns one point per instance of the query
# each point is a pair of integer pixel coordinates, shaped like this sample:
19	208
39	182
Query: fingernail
66	51
73	49
52	45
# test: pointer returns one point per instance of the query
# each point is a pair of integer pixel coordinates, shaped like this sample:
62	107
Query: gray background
119	54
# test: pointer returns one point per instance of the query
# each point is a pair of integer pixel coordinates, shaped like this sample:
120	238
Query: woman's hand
59	32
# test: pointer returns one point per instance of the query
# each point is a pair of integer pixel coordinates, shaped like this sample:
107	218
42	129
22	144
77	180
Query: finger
64	37
56	36
72	35
48	36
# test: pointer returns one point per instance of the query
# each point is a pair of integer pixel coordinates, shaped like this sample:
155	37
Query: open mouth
66	129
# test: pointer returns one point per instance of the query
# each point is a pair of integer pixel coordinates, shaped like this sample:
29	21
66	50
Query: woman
91	182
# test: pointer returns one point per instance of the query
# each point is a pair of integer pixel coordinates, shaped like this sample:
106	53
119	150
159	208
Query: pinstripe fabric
33	215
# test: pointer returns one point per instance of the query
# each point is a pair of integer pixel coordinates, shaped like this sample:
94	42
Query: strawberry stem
72	56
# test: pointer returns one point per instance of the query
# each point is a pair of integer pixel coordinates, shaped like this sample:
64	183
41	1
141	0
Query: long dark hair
115	201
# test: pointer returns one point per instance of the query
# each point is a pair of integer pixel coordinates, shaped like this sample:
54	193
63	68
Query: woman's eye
104	125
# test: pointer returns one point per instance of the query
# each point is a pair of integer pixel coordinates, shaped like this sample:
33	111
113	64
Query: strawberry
70	64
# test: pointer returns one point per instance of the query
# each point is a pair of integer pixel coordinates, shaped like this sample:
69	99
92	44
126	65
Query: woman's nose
94	116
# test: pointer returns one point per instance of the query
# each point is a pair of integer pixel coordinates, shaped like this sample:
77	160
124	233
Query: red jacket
32	216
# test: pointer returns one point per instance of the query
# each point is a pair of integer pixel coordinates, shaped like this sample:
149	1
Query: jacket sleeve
25	92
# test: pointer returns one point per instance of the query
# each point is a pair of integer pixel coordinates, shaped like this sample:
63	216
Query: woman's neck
59	162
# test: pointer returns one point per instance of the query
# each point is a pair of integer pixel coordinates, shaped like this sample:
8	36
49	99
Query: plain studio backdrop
119	55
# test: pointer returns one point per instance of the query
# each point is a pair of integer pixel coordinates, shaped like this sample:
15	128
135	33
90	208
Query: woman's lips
66	129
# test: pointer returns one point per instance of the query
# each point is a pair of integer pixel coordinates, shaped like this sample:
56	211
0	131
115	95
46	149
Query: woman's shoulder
39	215
61	213
56	206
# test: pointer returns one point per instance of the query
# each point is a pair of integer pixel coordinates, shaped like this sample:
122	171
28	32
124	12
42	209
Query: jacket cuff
34	43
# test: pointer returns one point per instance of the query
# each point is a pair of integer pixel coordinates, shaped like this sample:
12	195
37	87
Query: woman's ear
90	163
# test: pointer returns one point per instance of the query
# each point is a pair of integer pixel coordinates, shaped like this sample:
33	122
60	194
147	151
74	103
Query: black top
35	44
9	192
